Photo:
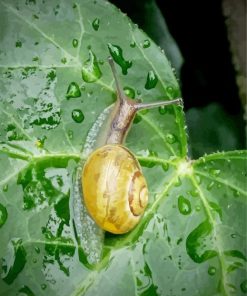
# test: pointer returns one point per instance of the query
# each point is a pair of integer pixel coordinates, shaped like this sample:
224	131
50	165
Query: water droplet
95	24
152	80
194	193
14	262
3	215
64	60
214	172
195	243
146	43
5	188
34	260
170	138
37	250
18	43
35	59
133	44
236	193
210	185
233	235
70	134
162	110
211	270
117	55
165	166
90	70
170	90
130	92
43	286
77	115
243	286
73	91
184	205
198	208
75	43
25	291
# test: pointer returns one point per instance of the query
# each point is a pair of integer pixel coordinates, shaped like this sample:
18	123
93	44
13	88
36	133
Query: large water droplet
3	215
95	24
146	43
152	80
14	262
77	115
211	270
130	92
170	138
196	243
184	205
75	42
73	91
90	70
243	286
117	55
25	291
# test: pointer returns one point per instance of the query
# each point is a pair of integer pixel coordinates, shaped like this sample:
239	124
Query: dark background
207	77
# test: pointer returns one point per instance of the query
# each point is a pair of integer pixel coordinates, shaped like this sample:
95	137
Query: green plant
54	84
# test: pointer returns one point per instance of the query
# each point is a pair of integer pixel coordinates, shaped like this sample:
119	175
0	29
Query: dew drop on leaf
90	70
146	43
165	166
3	215
43	286
152	80
18	43
70	134
130	92
75	43
25	291
170	90
243	286
5	188
184	205
211	270
73	91
117	55
37	250
162	110
214	172
77	115
233	235
170	138
195	243
95	24
133	44
210	185
64	60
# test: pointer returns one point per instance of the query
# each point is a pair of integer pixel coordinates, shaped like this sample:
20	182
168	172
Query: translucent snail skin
114	188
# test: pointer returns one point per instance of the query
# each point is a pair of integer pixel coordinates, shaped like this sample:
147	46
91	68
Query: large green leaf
54	84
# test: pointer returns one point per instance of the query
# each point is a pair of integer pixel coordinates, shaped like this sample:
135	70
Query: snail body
114	189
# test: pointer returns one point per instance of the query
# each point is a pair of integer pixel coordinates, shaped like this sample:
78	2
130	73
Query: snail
114	189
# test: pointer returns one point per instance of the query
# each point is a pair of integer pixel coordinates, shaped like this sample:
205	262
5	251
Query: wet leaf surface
54	84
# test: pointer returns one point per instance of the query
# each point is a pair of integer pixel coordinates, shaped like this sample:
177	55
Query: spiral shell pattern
114	188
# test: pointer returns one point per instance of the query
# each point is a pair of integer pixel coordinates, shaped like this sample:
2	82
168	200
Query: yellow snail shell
114	188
